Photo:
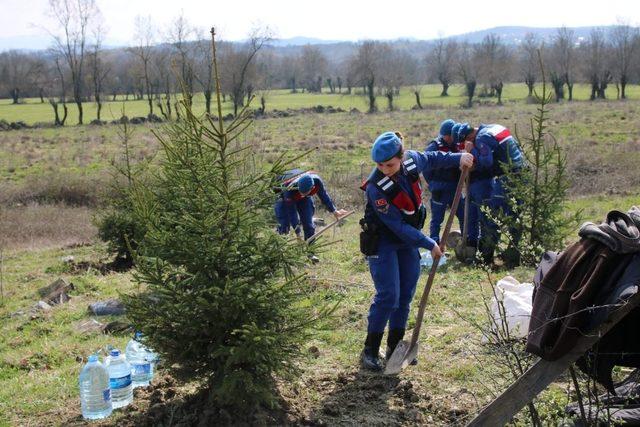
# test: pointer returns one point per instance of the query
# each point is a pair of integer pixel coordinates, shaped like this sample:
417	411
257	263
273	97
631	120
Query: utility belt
372	231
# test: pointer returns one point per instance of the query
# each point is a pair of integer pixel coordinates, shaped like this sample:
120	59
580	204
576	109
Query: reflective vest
507	151
410	205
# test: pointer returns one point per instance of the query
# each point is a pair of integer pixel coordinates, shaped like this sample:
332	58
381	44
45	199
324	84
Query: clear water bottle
141	361
95	394
426	261
119	379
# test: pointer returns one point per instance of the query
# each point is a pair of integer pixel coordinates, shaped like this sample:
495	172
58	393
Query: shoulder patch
381	202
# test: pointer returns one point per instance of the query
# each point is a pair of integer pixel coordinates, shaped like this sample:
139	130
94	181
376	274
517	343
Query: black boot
394	337
369	359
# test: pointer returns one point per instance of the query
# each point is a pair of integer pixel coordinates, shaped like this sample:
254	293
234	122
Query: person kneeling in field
391	236
295	203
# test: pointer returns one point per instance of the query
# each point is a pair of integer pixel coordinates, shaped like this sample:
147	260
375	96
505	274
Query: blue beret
465	129
454	133
305	183
385	147
446	126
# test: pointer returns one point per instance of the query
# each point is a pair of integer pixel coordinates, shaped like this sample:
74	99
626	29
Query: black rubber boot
370	359
394	337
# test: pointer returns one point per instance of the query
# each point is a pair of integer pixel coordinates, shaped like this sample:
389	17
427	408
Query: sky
23	22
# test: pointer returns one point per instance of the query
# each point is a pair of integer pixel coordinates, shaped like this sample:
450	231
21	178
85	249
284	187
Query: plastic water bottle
119	379
140	359
426	261
95	394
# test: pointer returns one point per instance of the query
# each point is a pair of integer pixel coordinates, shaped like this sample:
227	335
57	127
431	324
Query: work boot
393	338
370	359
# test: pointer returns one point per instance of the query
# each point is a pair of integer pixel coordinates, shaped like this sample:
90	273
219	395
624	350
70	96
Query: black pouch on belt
369	238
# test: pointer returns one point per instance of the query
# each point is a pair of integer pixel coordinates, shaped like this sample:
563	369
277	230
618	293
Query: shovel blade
400	358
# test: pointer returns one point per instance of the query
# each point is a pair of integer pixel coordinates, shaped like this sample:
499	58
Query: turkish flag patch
381	202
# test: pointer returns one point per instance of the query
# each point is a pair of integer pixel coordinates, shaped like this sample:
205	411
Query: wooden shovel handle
312	238
436	260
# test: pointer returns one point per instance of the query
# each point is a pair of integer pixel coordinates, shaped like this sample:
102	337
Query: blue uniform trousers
290	214
499	205
395	271
440	201
479	223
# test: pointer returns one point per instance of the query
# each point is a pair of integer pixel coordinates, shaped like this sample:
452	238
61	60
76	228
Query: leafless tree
441	63
62	99
596	62
493	62
17	72
624	42
468	70
314	66
394	66
528	60
204	68
142	51
164	80
74	18
179	34
366	66
237	64
98	70
564	48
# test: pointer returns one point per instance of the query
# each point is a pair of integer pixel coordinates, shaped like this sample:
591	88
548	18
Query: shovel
315	236
406	351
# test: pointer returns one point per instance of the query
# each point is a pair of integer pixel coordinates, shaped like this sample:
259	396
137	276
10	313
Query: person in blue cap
391	236
443	182
495	150
295	203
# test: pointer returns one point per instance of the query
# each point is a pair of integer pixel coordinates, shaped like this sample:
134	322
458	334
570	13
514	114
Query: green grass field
32	110
51	184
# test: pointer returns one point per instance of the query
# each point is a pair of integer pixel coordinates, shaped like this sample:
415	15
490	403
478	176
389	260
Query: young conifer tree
537	193
223	300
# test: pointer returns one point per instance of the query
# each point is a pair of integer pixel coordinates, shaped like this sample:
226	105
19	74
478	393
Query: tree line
177	59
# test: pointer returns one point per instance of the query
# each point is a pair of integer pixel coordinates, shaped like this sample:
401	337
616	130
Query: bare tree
492	59
178	36
74	18
204	69
237	64
565	56
393	66
164	80
97	68
441	63
596	61
624	41
367	68
62	99
314	66
468	70
142	50
528	61
17	72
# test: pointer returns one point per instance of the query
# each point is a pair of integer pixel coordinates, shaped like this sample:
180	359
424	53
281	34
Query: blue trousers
290	214
440	201
395	271
479	223
498	204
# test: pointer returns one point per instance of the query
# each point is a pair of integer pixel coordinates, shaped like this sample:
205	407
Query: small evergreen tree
224	302
537	193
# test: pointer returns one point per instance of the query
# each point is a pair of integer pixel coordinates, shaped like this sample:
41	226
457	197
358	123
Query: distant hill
514	35
340	49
